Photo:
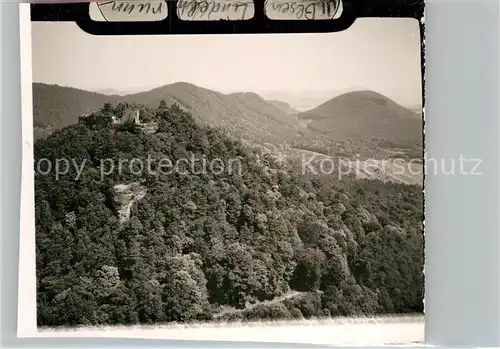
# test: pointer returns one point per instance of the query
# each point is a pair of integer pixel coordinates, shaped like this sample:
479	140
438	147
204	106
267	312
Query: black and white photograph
271	182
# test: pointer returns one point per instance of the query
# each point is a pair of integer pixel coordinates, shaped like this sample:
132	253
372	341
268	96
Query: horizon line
137	90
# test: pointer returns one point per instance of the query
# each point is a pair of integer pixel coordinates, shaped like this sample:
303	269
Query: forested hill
365	115
246	115
57	106
149	246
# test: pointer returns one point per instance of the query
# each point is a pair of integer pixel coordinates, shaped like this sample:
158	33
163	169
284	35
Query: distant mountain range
111	91
358	114
285	107
246	114
416	109
304	100
57	106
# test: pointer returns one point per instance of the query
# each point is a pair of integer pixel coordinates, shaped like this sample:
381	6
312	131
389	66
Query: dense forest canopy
260	243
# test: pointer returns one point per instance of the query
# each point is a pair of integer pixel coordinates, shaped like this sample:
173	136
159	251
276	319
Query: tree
309	269
163	104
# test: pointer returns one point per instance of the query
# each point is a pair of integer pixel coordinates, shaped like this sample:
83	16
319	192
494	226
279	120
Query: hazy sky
378	54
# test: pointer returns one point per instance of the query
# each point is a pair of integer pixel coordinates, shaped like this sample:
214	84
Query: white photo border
462	221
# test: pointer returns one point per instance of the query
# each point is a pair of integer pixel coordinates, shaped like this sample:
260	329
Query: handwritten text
133	10
198	10
144	7
302	10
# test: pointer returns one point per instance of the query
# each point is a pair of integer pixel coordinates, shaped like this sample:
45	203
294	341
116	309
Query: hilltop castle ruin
146	127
